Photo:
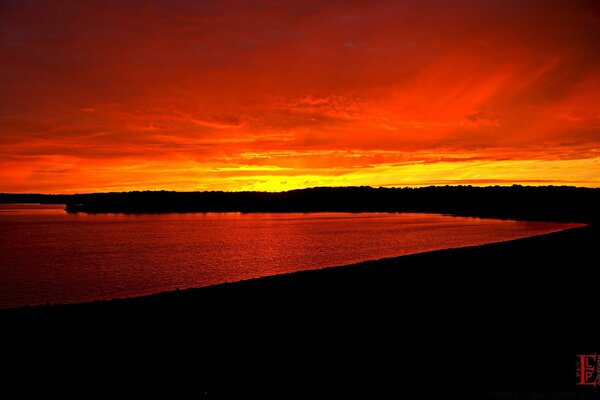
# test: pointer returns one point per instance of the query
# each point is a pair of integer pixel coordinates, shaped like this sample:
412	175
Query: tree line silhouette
559	203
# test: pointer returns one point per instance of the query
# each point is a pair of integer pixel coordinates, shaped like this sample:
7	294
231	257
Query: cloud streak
236	95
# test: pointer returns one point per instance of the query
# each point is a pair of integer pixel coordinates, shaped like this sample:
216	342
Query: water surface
47	255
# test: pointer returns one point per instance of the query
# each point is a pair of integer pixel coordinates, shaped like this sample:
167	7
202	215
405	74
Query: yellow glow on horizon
189	176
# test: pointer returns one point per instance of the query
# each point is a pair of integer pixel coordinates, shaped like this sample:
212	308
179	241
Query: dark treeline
558	203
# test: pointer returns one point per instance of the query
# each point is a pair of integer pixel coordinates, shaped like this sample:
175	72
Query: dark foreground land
510	316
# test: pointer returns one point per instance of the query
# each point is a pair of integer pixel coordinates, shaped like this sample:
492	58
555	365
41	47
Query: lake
47	255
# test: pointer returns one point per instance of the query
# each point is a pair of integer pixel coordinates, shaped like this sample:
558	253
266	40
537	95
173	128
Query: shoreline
373	328
280	276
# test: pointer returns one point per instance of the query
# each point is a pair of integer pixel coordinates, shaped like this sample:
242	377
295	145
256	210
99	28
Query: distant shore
545	203
371	327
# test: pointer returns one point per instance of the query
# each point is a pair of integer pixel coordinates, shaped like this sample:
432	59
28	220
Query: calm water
49	255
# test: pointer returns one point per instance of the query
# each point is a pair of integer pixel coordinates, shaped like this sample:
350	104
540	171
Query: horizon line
390	187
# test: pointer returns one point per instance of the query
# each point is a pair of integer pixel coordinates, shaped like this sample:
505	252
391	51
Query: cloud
309	87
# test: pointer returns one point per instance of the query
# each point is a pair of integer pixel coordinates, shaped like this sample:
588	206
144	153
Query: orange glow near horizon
236	95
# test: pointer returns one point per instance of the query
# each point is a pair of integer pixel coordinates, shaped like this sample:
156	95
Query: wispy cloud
238	95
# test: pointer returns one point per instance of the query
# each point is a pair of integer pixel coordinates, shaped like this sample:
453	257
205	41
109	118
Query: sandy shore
499	317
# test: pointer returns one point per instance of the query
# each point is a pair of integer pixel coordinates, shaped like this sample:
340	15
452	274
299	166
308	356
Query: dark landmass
557	203
509	316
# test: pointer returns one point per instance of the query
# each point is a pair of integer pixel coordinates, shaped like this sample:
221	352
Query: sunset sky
275	95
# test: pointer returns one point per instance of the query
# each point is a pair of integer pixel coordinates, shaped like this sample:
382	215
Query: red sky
274	95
